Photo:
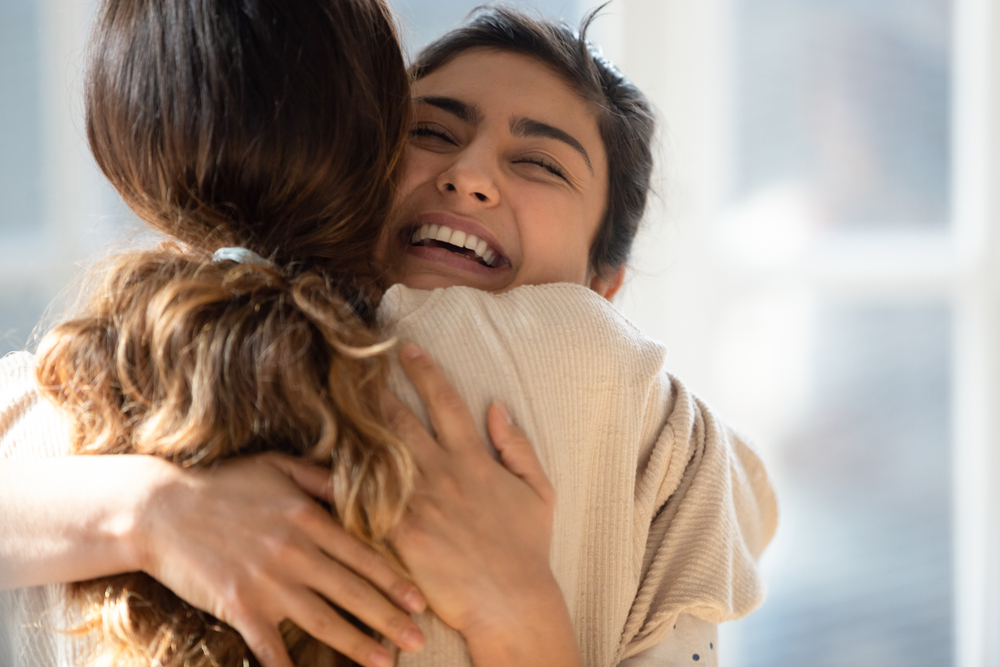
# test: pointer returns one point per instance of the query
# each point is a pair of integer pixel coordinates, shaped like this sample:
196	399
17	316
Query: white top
661	510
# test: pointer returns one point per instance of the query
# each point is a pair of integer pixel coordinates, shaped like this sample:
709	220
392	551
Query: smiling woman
502	150
656	511
527	138
528	163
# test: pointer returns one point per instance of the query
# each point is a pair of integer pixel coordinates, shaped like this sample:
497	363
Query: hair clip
240	256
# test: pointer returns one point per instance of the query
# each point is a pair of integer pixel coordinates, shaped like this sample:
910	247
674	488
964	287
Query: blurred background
821	260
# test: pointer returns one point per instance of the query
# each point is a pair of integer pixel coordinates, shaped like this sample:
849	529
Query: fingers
265	642
338	543
516	452
371	565
409	429
312	479
349	573
321	621
450	417
394	408
354	594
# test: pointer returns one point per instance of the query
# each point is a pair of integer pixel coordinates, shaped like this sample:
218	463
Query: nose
471	181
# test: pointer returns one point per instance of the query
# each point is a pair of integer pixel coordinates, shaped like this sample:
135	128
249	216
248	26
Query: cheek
556	237
421	167
415	171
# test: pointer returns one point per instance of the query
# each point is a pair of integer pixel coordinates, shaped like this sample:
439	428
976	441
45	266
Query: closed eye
427	131
544	164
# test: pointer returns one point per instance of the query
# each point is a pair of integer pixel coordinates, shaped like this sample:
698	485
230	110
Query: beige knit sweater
661	509
32	428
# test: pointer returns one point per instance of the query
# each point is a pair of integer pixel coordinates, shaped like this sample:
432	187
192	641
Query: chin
425	281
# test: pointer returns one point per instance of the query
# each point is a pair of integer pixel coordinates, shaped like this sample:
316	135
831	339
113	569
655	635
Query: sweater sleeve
711	512
31	619
30	426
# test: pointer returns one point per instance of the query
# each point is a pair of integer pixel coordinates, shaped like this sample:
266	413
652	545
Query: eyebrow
526	127
519	127
468	113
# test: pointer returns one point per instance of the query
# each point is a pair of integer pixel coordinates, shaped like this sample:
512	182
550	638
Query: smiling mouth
458	242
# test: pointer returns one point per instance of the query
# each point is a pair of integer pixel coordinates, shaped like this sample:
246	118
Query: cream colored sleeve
692	642
715	512
661	509
30	426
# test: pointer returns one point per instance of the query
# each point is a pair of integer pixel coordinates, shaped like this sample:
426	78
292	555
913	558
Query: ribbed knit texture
45	434
31	428
660	510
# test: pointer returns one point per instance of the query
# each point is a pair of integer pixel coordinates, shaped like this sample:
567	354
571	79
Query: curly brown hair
276	126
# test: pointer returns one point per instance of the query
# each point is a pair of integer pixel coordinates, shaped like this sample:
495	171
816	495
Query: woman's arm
242	541
49	535
477	533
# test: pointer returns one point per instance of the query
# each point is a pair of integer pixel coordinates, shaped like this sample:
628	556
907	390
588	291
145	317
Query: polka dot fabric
691	641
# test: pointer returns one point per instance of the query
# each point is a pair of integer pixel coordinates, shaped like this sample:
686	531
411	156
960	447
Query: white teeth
456	238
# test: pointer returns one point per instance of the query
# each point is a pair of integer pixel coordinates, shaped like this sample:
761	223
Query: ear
608	288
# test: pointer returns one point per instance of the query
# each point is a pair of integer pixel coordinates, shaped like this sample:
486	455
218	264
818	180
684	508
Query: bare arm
477	534
243	542
50	536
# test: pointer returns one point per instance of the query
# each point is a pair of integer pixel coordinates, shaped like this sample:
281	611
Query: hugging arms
245	541
180	357
497	170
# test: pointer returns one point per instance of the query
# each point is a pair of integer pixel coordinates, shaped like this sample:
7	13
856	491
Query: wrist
133	527
530	629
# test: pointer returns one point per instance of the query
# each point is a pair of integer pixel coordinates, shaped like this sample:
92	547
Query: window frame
688	71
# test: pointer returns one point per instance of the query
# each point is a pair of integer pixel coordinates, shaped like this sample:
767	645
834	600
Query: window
56	210
424	20
822	262
820	265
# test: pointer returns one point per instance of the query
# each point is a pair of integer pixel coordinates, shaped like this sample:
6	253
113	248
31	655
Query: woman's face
505	182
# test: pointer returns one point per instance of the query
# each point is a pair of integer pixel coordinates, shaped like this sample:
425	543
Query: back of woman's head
269	124
272	125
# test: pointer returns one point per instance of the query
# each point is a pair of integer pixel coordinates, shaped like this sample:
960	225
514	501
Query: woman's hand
477	534
245	542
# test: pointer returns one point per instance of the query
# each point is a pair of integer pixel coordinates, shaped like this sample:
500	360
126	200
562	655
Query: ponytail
278	127
195	361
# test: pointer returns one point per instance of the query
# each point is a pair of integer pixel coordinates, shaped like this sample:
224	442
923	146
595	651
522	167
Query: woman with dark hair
247	333
262	139
275	129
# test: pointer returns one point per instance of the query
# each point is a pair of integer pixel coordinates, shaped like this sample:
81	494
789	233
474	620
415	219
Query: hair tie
240	256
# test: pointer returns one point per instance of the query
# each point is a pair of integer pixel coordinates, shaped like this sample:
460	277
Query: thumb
516	453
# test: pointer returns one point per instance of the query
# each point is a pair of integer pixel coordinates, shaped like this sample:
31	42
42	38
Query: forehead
498	61
508	79
504	87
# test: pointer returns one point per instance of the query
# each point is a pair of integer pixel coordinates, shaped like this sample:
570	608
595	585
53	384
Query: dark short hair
625	117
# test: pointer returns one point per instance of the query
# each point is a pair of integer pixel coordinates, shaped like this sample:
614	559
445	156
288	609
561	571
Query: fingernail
504	413
380	658
414	601
413	639
411	351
